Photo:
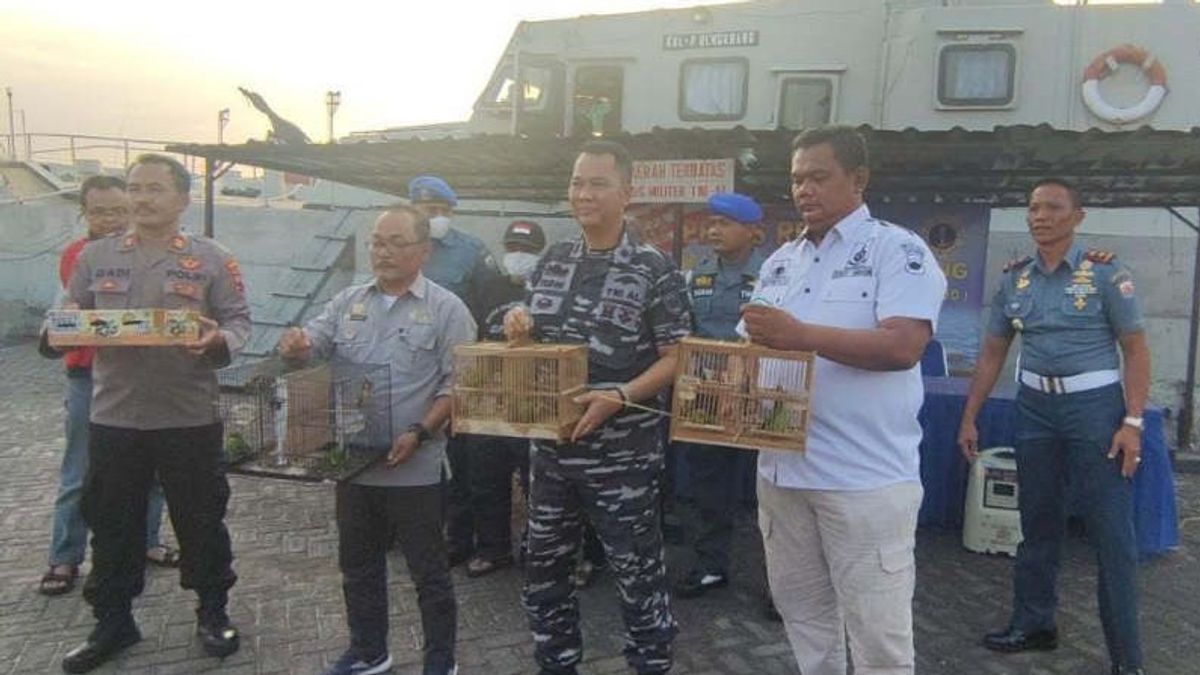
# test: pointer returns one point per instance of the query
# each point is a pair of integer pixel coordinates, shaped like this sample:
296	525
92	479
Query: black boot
218	636
111	635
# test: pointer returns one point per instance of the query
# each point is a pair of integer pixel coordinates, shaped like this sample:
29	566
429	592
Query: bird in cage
242	421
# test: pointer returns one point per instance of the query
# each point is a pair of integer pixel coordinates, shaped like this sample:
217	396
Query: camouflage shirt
624	303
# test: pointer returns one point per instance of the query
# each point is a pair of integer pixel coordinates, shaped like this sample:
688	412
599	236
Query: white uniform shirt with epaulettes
160	387
863	431
1069	317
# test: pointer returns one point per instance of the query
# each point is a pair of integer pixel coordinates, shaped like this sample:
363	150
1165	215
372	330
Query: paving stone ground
289	608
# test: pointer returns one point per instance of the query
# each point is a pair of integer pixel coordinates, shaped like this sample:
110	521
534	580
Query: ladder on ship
322	266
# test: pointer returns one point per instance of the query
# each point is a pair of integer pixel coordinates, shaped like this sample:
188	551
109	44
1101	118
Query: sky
162	70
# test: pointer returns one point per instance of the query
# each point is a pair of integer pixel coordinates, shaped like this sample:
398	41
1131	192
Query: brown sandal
55	583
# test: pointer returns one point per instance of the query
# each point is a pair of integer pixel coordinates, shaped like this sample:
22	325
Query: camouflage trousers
618	489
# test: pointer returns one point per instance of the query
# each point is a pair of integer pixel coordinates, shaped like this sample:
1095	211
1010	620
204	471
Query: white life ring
1108	62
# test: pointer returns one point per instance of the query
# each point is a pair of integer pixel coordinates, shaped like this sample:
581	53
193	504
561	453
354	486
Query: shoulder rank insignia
1017	263
129	242
1098	256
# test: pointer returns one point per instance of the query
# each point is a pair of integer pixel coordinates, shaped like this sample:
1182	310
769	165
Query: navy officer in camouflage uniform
1073	309
719	285
154	411
628	303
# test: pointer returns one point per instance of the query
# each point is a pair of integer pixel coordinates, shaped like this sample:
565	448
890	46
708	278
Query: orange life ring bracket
1107	63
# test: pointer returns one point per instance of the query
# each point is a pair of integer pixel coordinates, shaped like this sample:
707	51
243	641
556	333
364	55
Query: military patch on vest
1017	263
178	243
358	312
190	263
1099	256
703	281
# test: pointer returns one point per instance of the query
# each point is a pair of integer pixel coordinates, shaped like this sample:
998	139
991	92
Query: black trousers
460	518
369	518
493	460
713	471
190	465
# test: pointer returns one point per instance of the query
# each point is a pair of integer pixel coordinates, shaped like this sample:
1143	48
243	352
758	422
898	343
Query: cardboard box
121	327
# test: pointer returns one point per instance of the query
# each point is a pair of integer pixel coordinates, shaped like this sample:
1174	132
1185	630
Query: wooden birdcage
741	395
327	422
524	391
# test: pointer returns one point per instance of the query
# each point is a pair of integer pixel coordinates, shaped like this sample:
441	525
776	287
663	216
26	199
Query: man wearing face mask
460	263
494	458
524	242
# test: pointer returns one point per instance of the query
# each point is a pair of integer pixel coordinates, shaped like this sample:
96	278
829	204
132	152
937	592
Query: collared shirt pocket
414	349
850	289
182	294
111	292
702	306
1081	307
1018	306
350	343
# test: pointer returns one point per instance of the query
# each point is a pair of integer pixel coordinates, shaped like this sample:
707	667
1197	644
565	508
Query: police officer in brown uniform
154	411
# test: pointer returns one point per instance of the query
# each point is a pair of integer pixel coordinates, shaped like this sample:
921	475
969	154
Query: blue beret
431	189
734	206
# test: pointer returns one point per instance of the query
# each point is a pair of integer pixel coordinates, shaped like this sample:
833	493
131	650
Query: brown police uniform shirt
160	387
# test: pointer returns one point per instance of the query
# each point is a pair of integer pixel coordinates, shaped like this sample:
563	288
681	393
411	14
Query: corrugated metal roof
1143	167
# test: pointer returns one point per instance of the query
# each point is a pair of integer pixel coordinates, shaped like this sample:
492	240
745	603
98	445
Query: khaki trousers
840	565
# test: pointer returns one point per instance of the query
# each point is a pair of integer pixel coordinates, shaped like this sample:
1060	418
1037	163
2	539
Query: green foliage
236	447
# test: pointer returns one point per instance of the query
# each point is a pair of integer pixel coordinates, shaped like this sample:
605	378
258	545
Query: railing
69	149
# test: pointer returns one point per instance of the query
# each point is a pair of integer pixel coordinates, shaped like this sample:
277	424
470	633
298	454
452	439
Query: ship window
537	81
805	102
713	89
597	100
976	75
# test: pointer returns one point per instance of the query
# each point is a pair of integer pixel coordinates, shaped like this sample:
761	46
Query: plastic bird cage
524	391
328	422
741	395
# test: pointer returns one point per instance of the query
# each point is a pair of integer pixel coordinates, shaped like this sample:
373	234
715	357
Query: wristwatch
1135	422
421	432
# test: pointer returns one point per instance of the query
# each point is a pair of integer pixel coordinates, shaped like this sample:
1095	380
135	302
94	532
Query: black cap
525	234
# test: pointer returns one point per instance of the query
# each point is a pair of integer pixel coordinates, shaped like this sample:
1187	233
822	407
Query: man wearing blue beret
719	285
461	264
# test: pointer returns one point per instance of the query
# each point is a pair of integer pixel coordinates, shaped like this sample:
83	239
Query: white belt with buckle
1071	383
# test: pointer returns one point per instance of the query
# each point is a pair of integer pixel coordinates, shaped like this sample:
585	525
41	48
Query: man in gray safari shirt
410	323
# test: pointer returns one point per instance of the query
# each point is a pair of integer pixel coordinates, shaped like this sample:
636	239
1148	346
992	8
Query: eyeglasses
101	212
394	245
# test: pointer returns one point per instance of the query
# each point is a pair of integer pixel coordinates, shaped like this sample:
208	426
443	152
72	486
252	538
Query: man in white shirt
839	520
